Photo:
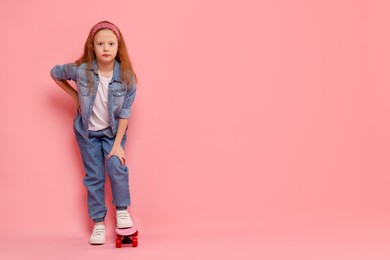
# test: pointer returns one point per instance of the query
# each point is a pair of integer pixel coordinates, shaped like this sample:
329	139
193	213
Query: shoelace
98	231
123	215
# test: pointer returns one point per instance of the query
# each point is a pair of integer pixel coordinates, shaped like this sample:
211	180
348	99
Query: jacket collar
117	70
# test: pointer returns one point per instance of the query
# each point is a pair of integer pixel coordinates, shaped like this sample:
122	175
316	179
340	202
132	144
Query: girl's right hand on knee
118	151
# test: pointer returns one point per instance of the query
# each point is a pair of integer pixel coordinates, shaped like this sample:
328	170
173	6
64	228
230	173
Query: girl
106	86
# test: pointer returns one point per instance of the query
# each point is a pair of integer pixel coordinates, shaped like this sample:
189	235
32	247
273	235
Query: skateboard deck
127	236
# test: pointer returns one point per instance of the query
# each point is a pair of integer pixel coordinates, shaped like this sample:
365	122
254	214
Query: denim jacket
120	97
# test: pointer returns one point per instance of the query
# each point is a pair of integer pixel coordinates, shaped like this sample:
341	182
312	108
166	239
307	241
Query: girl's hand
77	102
78	109
117	151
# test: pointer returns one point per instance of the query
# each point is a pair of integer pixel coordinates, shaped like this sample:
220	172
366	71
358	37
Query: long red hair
127	72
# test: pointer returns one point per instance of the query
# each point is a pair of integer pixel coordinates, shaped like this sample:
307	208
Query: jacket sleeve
64	72
129	99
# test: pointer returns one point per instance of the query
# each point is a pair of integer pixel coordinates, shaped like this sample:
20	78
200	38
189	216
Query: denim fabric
94	151
120	96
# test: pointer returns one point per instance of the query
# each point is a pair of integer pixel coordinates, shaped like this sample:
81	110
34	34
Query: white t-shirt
99	117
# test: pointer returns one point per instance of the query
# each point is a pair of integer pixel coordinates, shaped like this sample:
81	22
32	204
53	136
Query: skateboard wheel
134	241
118	242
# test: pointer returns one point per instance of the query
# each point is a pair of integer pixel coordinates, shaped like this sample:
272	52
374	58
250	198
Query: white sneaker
98	236
123	219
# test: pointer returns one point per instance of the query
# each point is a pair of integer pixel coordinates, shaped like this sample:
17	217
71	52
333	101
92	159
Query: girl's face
105	46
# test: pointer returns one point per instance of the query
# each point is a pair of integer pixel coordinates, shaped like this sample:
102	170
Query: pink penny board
126	236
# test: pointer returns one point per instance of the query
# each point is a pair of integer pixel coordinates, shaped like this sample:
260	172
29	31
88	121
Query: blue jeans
94	152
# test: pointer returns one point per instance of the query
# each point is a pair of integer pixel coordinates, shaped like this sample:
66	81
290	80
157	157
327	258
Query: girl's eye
99	44
112	44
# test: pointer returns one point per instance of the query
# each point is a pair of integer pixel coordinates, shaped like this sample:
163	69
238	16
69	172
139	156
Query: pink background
252	118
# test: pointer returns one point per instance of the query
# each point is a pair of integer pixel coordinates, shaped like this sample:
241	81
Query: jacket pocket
83	87
118	96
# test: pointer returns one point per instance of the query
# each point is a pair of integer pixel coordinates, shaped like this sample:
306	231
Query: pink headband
105	25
